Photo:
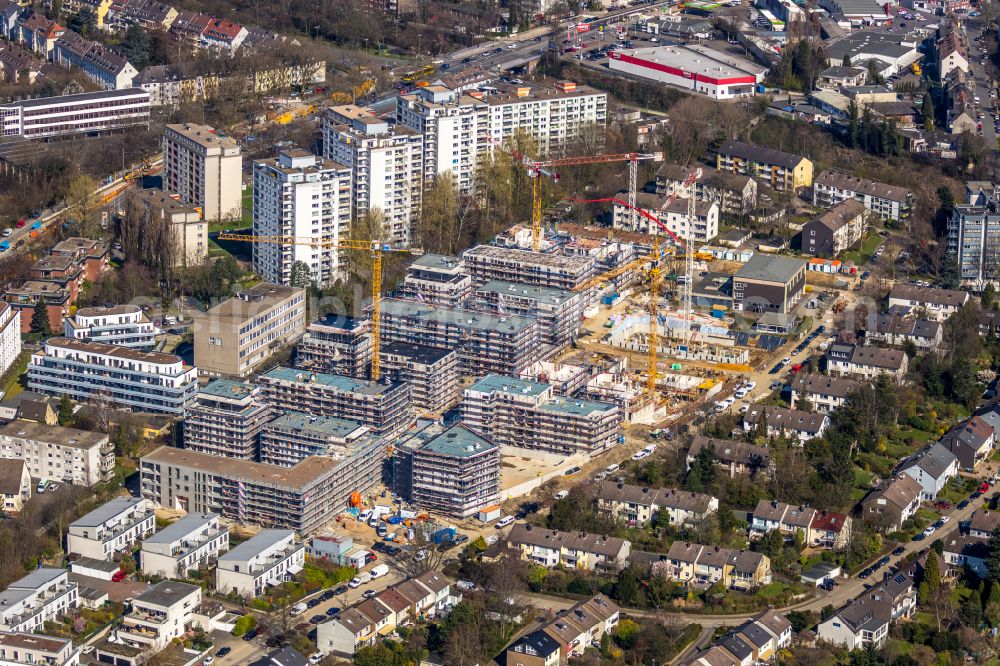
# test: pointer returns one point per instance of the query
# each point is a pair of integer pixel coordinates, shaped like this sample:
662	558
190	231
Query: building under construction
528	415
558	310
303	498
226	420
437	279
451	471
384	408
486	343
432	374
338	345
489	262
294	436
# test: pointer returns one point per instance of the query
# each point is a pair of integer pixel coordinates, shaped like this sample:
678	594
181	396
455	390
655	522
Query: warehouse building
691	67
385	408
451	471
486	343
303	498
226	419
526	414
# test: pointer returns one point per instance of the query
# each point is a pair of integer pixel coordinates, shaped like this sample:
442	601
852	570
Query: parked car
899	550
316	619
503	522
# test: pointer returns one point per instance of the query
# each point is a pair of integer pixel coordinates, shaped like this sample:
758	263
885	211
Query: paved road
983	83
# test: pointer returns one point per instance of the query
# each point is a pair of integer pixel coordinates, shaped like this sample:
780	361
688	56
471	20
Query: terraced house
574	550
703	566
639	506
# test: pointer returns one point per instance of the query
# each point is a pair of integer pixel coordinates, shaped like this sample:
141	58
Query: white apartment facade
114	527
387	167
270	557
10	336
44	594
57	453
187	544
300	194
673	217
159	615
122	325
205	169
30	649
128	378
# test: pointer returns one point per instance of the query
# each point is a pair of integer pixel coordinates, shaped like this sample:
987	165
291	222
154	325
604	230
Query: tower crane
538	168
376	248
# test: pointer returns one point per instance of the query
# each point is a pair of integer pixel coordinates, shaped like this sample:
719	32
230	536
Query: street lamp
419	35
366	44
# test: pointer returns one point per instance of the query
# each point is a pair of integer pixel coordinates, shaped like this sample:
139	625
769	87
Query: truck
443	534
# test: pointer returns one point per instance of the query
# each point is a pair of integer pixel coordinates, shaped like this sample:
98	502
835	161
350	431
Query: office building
437	279
432	374
187	544
525	414
113	528
56	453
23	649
451	471
121	325
489	262
780	171
385	408
486	343
300	195
294	436
46	117
559	311
10	335
386	165
336	345
39	597
226	419
303	498
888	202
178	225
269	558
451	124
128	378
205	169
238	336
769	283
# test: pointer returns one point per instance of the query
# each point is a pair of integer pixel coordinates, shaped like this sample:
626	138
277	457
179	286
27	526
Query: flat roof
576	406
462	318
301	474
53	434
697	59
181	528
33	642
506	384
80	98
256	544
113	350
458	441
249	304
325	425
437	261
547	294
108	511
226	388
418	353
340	382
203	135
770	268
167	593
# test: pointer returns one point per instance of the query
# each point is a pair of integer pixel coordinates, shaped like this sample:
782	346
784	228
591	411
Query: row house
896	330
361	625
821	529
18	65
888	202
761	638
972	442
732	456
932	468
703	566
865	621
638	505
783	422
574	550
580	627
105	67
933	303
824	394
867	362
39	34
892	503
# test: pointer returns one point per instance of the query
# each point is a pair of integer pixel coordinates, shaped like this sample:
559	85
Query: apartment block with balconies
226	420
159	615
294	436
122	325
58	453
205	169
115	527
337	345
22	649
193	541
43	595
269	558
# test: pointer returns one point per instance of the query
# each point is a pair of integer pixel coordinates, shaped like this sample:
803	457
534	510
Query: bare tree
505	581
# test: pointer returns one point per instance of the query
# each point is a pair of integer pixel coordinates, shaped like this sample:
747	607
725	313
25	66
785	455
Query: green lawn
868	247
772	590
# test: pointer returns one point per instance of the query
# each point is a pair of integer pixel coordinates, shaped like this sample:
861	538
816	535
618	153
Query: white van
299	609
359	580
562	494
611	469
364	516
379	571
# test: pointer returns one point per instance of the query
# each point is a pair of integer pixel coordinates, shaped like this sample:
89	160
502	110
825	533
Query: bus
416	74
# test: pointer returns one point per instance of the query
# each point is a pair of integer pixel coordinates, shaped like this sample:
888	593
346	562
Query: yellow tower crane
376	248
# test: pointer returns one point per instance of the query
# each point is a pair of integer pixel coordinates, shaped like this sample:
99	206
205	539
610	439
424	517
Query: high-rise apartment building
387	166
237	336
226	420
974	238
300	194
205	169
526	414
294	436
186	230
126	378
337	345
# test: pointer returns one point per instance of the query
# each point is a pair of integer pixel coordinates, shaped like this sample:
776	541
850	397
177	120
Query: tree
127	564
244	624
927	111
40	319
80	197
852	125
136	46
846	62
989	295
301	274
993	559
66	417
